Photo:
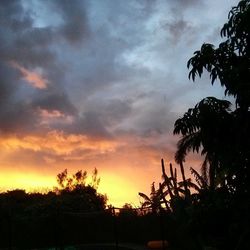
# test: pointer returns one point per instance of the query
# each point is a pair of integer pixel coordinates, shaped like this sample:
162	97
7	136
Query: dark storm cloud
99	63
178	6
74	27
55	101
15	116
95	56
12	15
178	29
111	112
18	118
7	86
188	2
150	115
19	40
100	118
115	74
32	48
29	47
91	124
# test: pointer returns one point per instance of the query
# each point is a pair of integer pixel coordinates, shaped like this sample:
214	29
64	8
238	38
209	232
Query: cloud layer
99	83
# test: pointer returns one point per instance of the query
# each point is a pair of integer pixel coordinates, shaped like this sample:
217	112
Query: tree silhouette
77	180
172	193
210	128
230	61
76	193
204	129
153	201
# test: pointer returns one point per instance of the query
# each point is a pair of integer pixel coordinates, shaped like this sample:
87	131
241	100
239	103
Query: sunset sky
98	83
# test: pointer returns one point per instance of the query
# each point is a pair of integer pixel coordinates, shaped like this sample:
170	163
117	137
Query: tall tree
229	63
204	130
210	128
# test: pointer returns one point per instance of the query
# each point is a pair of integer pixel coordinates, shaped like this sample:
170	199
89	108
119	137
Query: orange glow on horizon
118	190
32	162
29	181
120	187
57	141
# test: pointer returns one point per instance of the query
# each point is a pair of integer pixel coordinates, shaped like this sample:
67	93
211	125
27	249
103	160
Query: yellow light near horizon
121	172
118	190
28	181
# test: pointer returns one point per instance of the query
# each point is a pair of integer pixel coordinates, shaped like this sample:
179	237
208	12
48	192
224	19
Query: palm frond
191	142
205	169
201	181
144	196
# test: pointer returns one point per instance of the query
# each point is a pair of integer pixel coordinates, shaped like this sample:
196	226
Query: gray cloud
180	29
188	2
29	47
74	27
110	65
100	118
116	81
55	101
18	118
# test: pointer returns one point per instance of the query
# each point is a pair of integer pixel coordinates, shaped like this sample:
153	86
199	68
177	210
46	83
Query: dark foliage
229	63
222	135
217	214
59	217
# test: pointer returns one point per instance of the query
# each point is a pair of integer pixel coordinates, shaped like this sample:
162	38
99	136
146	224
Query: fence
112	227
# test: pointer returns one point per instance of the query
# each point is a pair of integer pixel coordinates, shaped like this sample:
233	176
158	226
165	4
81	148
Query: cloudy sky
98	83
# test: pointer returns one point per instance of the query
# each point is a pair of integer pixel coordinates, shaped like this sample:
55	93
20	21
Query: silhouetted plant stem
166	179
164	198
174	180
187	192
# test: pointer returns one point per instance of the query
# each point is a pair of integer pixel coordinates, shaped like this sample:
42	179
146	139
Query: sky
99	83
